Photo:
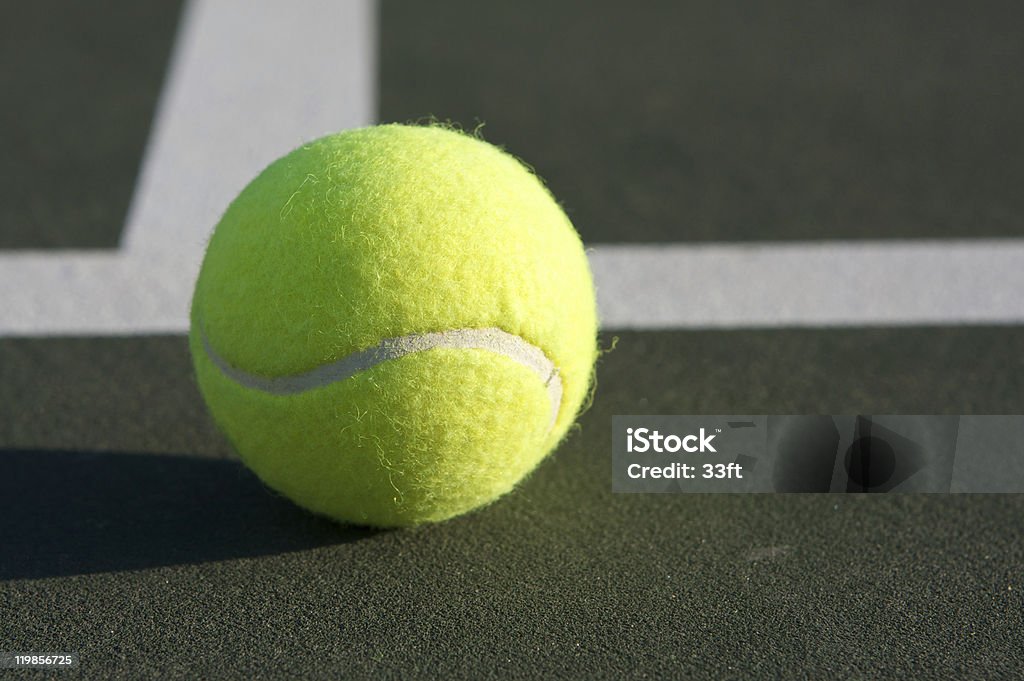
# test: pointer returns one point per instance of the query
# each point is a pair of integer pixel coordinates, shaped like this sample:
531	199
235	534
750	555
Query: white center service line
248	81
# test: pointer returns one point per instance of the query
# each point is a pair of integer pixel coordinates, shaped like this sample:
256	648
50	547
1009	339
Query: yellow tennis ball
393	325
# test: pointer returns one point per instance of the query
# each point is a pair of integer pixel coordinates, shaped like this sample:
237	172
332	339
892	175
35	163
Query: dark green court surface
80	84
735	121
131	534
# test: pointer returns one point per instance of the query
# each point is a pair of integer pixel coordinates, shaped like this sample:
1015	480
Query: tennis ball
393	325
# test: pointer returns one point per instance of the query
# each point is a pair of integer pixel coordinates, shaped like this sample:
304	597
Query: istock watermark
818	453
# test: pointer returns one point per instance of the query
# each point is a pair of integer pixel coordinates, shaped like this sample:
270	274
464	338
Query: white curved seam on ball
492	339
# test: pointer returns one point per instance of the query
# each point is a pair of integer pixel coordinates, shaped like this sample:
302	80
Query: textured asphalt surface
129	532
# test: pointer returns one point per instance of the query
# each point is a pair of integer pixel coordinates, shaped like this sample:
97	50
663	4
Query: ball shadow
66	513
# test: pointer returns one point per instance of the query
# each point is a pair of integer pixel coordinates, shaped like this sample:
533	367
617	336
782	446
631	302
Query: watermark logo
816	453
647	440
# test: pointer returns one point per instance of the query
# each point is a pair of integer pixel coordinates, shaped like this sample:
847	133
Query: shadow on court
68	513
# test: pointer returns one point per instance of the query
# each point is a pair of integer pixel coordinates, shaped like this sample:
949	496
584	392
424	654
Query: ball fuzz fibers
393	325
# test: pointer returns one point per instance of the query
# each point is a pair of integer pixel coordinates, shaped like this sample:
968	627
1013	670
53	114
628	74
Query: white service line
248	81
664	286
821	284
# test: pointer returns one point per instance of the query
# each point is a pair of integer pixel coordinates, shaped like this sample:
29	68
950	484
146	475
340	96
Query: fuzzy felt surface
378	233
421	438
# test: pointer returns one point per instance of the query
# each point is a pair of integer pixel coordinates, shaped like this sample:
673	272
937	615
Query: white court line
248	81
669	286
850	283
